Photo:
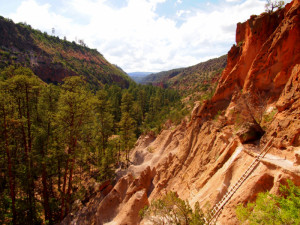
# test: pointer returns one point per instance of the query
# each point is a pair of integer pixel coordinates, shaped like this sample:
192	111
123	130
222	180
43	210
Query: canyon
256	105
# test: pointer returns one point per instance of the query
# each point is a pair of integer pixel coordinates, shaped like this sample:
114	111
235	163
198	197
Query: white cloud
39	16
179	13
233	0
136	38
178	2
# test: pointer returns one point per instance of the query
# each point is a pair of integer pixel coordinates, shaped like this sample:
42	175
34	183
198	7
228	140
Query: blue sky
141	35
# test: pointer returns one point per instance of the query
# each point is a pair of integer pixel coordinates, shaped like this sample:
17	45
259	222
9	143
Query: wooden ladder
216	210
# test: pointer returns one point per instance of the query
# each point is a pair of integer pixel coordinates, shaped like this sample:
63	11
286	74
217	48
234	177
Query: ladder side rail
219	205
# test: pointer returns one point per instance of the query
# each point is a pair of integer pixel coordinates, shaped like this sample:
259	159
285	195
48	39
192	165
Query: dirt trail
281	162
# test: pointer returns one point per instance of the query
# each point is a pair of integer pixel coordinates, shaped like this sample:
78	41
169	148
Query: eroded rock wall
263	71
203	158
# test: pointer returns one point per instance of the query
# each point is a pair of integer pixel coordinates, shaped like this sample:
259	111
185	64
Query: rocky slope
256	102
193	78
53	59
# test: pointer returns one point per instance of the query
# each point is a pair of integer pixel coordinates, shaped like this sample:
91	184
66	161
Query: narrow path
281	162
216	210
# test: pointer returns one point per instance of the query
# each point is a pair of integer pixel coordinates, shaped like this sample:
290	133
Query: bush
170	209
269	117
272	209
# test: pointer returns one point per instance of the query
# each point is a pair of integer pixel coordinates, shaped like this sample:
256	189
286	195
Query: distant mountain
138	76
161	76
53	59
189	78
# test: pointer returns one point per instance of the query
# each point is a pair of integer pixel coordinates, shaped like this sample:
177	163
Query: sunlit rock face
204	156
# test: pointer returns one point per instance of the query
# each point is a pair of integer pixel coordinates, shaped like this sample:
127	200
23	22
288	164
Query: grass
219	113
150	149
269	117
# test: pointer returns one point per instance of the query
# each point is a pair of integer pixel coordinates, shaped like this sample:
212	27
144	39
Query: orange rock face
202	159
266	51
263	73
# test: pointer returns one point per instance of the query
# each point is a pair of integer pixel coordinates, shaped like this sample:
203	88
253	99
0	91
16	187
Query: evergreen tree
142	101
127	124
50	133
7	148
74	113
22	88
44	144
115	97
127	103
137	115
104	121
127	127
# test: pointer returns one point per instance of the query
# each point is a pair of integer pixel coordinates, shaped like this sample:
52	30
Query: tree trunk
30	163
68	203
47	209
119	155
62	213
11	176
63	195
59	174
27	163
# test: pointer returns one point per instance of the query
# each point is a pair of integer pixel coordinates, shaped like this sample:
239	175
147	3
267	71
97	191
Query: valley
82	143
203	157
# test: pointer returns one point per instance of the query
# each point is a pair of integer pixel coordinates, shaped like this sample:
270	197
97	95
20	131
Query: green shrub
5	54
240	43
219	113
170	209
269	117
272	209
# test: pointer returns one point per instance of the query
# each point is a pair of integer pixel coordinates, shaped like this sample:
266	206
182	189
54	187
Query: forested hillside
190	79
53	59
81	143
57	138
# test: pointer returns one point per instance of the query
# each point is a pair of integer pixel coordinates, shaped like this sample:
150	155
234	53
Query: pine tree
6	114
44	143
22	89
104	120
115	97
127	103
127	126
142	100
137	115
74	113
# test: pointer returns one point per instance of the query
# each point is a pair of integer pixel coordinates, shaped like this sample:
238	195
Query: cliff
257	101
53	59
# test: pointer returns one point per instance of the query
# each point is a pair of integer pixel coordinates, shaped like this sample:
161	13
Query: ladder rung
218	207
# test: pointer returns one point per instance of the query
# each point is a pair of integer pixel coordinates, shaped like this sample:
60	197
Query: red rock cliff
267	48
203	159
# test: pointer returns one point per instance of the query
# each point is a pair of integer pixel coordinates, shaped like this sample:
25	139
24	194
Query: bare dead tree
271	5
